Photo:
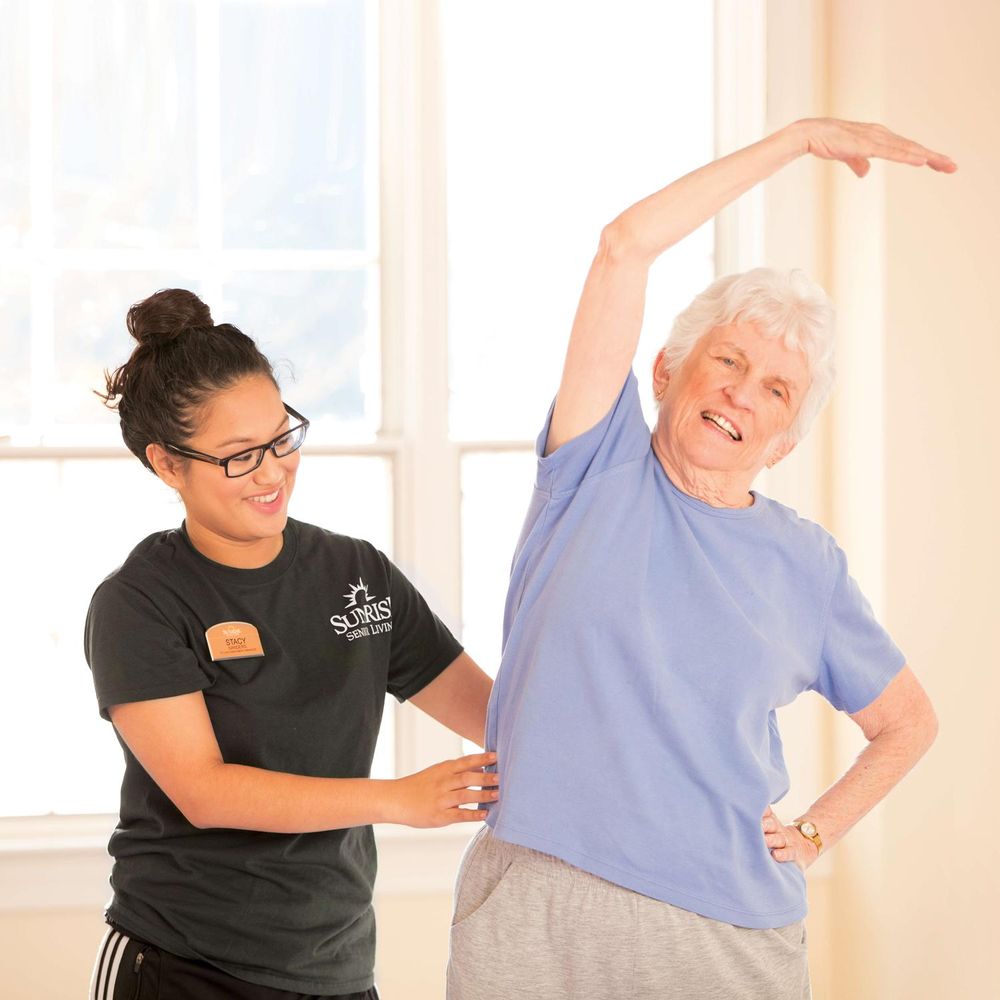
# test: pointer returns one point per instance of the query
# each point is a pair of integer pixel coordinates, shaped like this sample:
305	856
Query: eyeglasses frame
263	448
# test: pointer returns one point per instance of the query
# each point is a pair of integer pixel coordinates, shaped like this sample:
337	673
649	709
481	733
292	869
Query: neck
716	487
235	552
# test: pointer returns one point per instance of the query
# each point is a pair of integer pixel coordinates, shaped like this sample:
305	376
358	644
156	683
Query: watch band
808	830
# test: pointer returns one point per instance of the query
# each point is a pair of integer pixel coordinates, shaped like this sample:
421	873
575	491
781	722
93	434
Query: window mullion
209	146
414	301
41	232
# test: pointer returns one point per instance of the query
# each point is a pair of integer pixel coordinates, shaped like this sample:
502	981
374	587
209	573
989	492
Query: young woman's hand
855	143
433	797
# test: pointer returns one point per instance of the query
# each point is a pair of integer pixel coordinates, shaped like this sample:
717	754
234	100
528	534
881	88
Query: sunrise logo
352	595
364	616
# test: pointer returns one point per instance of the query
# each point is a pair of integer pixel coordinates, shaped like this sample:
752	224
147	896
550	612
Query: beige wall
48	954
923	289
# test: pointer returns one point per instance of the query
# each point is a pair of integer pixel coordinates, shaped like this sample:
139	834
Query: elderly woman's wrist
809	831
794	138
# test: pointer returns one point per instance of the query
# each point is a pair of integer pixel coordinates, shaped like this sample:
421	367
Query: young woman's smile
239	521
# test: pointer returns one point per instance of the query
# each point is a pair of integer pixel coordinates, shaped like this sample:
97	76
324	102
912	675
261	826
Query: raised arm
173	739
609	317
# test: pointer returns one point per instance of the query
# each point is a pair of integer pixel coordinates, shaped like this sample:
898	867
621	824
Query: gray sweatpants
527	925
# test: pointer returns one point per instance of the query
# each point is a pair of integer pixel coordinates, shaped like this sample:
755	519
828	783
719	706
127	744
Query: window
554	125
153	146
399	201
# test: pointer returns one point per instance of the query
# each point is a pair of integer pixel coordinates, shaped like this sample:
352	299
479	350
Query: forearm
878	769
651	226
250	798
608	319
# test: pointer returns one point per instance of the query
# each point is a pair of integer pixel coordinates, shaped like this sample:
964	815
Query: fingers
859	165
856	143
778	839
913	152
474	760
903	150
470	796
466	816
476	779
778	843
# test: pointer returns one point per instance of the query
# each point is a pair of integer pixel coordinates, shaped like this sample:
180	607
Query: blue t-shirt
648	639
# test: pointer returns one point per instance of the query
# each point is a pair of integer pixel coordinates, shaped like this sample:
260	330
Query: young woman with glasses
243	659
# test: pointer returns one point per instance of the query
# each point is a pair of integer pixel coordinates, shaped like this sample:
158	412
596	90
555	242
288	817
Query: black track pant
129	969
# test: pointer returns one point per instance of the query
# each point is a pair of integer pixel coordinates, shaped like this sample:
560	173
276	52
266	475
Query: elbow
197	813
931	726
921	731
199	800
621	246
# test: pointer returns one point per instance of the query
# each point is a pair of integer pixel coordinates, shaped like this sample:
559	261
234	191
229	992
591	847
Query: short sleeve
858	657
133	652
422	646
621	436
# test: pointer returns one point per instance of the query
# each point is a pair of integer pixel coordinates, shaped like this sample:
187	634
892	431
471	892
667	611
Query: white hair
785	303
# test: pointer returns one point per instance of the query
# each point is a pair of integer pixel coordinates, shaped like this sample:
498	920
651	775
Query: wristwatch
809	831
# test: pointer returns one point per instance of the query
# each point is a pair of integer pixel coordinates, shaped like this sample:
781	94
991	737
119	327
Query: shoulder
149	561
337	553
313	538
809	543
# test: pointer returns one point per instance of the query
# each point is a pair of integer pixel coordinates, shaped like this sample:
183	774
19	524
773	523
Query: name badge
233	641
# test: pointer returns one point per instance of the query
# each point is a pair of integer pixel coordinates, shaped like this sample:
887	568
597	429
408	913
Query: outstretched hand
856	143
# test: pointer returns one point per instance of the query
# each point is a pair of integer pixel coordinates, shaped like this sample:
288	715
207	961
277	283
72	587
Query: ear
169	467
780	452
661	377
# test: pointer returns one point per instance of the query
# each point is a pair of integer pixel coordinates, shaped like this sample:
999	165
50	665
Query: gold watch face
808	829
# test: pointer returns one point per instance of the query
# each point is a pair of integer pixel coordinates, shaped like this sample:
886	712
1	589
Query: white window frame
61	861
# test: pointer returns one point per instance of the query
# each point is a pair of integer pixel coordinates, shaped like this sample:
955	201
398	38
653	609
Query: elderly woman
659	612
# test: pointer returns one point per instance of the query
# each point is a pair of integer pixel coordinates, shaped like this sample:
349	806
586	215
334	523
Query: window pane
320	329
14	106
295	130
348	494
90	336
125	157
532	180
83	519
15	347
496	488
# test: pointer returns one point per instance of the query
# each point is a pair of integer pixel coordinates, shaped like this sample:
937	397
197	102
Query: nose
270	469
738	390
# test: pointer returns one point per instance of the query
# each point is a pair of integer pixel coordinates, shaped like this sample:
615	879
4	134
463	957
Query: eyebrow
788	383
226	444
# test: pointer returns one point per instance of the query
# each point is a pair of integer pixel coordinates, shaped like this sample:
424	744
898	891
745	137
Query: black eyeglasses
245	461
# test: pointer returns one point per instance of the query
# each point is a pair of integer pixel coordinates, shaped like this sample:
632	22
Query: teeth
723	423
268	499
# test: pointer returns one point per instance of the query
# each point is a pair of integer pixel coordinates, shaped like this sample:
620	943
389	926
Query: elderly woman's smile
726	412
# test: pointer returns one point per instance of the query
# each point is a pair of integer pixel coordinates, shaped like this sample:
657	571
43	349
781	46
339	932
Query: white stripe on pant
109	960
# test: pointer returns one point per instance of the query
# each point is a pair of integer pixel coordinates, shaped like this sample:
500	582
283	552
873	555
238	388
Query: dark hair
180	361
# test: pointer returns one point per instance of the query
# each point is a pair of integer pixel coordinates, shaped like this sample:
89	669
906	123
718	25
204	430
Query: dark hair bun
166	314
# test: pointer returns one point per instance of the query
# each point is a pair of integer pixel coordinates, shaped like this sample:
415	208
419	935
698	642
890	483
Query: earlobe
661	377
780	454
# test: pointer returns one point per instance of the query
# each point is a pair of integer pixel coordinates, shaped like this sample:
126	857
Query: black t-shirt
339	625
